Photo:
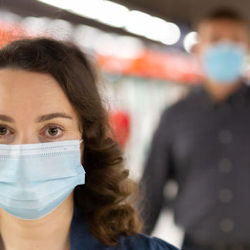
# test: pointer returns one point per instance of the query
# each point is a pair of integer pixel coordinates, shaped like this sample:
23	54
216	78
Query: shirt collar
240	96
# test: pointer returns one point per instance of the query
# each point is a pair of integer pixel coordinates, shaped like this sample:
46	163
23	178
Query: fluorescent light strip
119	16
190	40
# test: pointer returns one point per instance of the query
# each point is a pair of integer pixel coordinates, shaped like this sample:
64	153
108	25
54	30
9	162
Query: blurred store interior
143	51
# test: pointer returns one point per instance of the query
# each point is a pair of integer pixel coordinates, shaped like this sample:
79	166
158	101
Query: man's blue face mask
224	62
37	178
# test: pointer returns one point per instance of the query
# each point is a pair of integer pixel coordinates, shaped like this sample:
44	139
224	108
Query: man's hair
221	14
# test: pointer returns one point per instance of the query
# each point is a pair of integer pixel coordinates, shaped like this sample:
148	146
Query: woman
52	123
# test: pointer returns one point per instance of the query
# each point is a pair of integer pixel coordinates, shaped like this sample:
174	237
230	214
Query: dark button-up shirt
205	147
82	239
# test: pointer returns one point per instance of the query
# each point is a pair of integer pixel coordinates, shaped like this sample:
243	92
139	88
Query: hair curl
107	197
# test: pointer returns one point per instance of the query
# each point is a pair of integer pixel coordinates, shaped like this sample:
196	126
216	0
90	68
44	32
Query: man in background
203	143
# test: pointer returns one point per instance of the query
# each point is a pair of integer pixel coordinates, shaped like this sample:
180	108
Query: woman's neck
51	232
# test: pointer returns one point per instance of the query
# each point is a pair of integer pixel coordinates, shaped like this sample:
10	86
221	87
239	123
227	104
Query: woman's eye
3	131
53	132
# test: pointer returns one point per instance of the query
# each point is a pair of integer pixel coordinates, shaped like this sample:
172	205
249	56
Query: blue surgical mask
224	62
36	178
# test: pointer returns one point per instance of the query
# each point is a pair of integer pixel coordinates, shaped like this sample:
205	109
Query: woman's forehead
31	92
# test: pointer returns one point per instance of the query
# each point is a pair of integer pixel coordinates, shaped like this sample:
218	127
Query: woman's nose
26	139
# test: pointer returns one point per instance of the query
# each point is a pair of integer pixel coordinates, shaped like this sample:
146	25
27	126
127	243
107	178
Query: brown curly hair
107	198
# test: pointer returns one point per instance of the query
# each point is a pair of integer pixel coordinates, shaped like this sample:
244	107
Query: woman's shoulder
82	238
143	242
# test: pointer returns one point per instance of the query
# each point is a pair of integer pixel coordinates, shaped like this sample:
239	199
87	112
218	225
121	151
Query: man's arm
156	172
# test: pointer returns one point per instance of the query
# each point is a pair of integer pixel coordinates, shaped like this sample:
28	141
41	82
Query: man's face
214	31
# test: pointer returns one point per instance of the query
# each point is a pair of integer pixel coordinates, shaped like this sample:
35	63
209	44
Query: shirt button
225	195
225	137
226	225
225	166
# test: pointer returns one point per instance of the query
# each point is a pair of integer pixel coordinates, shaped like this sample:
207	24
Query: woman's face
34	109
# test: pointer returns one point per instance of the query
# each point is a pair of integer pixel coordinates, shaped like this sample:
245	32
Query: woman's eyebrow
47	117
6	118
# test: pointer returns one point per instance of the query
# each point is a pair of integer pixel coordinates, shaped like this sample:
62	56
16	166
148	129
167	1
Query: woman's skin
34	109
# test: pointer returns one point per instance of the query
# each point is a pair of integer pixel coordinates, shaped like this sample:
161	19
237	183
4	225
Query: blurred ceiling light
138	23
104	44
171	34
153	28
124	47
60	29
35	25
76	6
112	14
9	17
107	12
107	43
85	36
129	47
190	40
119	16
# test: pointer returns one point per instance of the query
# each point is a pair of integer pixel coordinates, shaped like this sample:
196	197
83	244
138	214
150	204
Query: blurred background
143	52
